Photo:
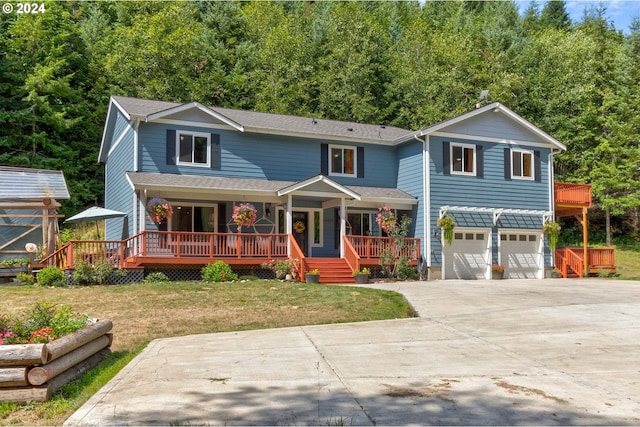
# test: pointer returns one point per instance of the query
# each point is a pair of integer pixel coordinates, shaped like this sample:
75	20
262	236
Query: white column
289	221
343	224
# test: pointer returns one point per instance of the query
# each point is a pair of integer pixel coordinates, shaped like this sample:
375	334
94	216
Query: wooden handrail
350	254
296	253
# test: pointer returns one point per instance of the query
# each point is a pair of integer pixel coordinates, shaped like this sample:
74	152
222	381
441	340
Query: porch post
585	242
289	222
343	224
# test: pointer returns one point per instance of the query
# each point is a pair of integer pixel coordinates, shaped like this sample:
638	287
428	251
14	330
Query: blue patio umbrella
95	213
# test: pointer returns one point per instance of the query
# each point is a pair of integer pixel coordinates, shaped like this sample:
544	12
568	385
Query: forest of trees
402	63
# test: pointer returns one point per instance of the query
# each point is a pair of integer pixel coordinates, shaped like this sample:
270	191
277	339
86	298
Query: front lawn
146	311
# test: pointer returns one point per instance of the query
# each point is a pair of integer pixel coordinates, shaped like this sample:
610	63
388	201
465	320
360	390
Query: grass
628	262
146	311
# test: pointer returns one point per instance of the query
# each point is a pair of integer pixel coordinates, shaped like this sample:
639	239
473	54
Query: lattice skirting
185	274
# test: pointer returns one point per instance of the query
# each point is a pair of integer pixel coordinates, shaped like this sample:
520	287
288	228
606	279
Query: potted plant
313	276
159	210
448	224
497	272
552	230
386	219
244	215
556	274
361	276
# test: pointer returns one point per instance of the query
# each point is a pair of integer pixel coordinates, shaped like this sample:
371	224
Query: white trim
124	133
194	135
427	199
496	212
318	178
343	148
464	146
204	125
198	106
136	126
522	152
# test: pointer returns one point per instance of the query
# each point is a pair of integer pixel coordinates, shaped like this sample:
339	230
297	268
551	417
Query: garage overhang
497	212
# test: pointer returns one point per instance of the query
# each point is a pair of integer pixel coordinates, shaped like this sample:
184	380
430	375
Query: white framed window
522	164
193	149
463	159
343	160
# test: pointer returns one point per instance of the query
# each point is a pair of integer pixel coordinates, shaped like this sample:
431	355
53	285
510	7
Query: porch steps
332	270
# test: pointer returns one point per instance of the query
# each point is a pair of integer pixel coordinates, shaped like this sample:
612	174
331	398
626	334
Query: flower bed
47	349
33	372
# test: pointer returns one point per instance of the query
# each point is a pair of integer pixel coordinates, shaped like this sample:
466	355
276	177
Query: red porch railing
572	194
570	261
171	247
370	248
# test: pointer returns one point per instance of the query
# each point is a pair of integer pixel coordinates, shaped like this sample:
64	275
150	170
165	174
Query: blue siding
411	181
485	125
118	191
265	156
490	191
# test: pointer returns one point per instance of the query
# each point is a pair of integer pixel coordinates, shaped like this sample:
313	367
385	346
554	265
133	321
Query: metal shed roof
28	184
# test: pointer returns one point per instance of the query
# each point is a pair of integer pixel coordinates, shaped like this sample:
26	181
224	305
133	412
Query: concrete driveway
511	352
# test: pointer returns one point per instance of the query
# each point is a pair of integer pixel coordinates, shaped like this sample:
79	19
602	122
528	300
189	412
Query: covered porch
312	219
157	249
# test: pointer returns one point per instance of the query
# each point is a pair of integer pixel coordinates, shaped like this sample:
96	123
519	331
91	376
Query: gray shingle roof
254	121
248	185
29	184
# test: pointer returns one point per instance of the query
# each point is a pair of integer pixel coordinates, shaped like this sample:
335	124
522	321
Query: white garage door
521	254
468	256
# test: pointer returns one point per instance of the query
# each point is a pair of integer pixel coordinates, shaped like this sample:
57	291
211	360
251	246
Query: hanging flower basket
552	230
244	215
159	210
386	219
448	224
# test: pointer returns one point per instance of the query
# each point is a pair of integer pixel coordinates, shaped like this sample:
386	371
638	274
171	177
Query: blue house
317	186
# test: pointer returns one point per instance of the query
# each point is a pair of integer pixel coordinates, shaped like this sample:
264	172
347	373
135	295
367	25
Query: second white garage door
521	254
468	256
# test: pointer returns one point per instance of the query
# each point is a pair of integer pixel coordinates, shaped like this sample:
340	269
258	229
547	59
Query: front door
301	230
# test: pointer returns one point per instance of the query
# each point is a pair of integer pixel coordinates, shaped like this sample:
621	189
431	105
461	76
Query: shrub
51	276
26	278
86	274
156	277
219	271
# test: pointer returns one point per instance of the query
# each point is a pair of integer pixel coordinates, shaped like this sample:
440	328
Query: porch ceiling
225	188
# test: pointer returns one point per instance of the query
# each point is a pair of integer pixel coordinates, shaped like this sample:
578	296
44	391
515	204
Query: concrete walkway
511	352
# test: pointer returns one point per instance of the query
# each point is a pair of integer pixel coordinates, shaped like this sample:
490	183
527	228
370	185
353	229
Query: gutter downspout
552	195
426	190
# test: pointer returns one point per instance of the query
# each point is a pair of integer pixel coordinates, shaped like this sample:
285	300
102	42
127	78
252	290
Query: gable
493	122
493	125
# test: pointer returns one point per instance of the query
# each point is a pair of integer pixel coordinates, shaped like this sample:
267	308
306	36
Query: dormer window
193	149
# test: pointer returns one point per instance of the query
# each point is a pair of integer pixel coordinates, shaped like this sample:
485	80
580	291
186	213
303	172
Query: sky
621	12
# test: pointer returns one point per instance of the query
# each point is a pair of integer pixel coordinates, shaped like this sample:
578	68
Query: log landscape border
33	372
